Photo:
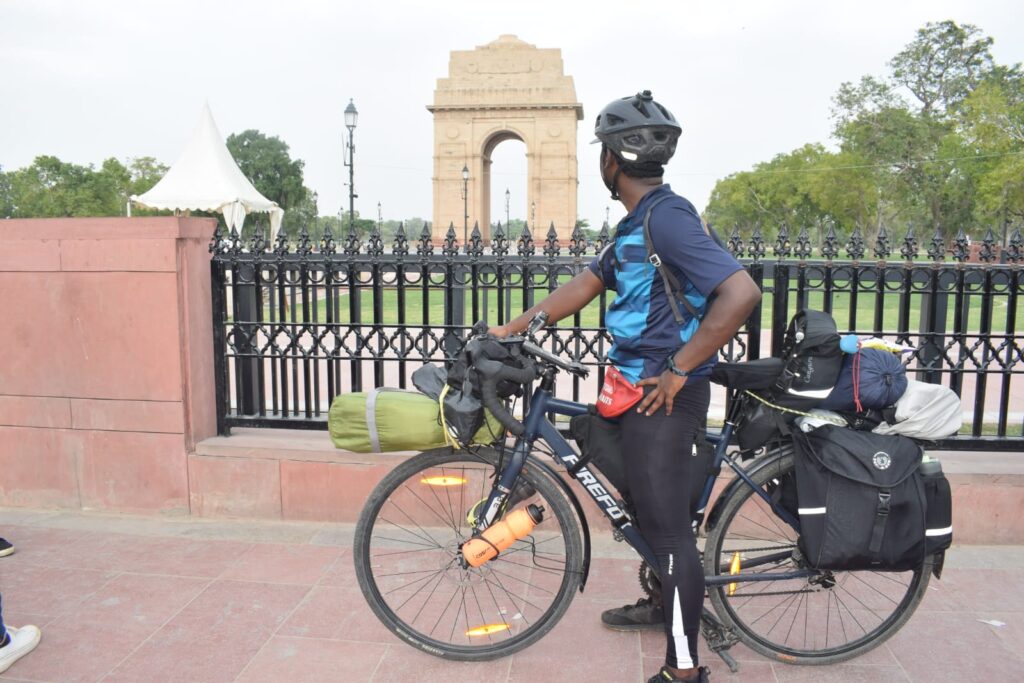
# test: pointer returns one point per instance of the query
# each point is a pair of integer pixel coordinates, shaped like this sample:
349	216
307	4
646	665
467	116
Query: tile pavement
132	599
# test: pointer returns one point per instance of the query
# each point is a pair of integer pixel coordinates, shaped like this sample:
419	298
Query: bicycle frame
538	427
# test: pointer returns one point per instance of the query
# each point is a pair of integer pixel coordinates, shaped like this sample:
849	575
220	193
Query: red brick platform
134	599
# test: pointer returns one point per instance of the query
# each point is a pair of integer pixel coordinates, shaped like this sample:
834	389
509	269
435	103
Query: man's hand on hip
666	386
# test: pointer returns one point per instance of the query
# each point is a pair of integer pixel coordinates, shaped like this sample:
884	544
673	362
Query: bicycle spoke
411	570
425	537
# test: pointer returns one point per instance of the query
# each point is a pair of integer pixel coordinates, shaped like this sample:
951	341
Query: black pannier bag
600	443
862	500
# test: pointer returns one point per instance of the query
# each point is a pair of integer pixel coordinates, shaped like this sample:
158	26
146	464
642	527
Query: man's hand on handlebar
499	331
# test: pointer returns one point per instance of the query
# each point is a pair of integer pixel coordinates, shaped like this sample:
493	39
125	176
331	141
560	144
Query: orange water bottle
500	535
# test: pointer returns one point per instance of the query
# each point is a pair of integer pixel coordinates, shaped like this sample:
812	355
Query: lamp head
351	116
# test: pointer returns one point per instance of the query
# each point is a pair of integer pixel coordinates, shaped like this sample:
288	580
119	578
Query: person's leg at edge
15	643
3	632
658	471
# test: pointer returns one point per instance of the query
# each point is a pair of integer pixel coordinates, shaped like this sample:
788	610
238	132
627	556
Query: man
665	339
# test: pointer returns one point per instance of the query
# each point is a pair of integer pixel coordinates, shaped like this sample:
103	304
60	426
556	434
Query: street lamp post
508	196
465	204
533	218
380	219
351	118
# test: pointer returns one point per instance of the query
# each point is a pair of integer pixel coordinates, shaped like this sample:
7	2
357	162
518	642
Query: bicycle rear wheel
824	619
408	559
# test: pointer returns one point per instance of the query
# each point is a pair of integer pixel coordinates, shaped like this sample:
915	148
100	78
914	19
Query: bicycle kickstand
719	638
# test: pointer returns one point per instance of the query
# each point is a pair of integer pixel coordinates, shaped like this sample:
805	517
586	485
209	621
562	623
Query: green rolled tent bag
383	420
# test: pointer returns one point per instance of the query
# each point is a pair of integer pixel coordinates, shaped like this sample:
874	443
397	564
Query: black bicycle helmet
638	129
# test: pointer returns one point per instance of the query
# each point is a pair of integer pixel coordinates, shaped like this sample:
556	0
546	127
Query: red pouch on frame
617	395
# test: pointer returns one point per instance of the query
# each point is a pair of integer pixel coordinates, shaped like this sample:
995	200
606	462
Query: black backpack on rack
807	373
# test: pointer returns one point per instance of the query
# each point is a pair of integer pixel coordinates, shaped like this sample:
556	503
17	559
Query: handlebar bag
862	500
464	415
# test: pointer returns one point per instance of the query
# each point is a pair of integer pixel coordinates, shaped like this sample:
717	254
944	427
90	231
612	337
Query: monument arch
505	90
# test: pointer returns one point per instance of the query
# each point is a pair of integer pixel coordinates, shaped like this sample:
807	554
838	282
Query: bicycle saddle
751	374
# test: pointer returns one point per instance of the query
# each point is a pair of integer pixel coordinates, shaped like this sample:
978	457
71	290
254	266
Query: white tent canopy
206	178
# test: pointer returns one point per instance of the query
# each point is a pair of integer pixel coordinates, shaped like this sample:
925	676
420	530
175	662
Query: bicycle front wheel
827	618
409	564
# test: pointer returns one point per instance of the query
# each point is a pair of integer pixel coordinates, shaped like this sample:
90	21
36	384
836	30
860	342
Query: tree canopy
936	142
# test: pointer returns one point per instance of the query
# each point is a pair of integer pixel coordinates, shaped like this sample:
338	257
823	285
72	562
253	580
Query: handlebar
492	371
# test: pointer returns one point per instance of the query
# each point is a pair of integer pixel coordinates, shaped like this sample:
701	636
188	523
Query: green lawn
589	317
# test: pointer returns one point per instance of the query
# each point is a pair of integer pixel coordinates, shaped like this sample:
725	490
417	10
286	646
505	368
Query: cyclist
666	349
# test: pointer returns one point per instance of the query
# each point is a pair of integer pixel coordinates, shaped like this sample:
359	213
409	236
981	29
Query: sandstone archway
507	89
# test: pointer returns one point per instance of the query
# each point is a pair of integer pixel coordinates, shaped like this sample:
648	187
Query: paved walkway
145	599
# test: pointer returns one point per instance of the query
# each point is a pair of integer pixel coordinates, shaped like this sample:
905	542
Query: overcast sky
747	79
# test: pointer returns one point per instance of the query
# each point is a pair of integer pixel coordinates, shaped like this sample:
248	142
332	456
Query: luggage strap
881	517
791	411
371	416
448	438
672	287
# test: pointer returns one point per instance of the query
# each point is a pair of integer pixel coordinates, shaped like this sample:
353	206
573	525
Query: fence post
780	307
932	329
220	364
246	304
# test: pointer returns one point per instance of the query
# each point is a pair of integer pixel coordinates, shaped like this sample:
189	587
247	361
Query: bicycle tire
777	465
519	635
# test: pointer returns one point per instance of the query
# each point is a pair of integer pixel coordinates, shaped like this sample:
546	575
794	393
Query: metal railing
296	325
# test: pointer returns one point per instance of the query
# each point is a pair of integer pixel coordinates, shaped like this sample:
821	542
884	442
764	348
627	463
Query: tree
942	65
51	187
266	162
6	200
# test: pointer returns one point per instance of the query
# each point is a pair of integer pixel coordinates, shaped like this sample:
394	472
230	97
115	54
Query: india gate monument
505	90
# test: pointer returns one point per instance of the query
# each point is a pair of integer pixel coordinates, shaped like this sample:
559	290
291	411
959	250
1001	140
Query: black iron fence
296	325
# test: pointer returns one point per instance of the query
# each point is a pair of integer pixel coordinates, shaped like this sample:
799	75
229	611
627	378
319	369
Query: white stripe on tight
938	532
812	511
683	660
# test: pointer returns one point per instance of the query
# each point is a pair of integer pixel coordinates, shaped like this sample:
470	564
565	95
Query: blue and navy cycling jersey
640	320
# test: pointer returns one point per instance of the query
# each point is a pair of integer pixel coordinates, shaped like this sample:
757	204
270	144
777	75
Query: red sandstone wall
106	375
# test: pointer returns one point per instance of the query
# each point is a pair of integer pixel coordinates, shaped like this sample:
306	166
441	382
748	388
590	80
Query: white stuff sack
925	411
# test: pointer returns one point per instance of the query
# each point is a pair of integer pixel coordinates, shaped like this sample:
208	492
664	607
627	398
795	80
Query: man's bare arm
561	303
736	298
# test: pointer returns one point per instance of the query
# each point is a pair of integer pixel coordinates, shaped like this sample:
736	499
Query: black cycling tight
658	452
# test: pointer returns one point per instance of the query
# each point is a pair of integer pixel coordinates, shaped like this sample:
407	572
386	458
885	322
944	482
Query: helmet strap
613	185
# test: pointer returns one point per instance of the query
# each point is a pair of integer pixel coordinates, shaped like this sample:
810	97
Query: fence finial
551	246
909	249
855	245
450	246
757	248
425	247
475	246
961	246
987	253
524	247
400	247
803	244
937	250
782	246
499	242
